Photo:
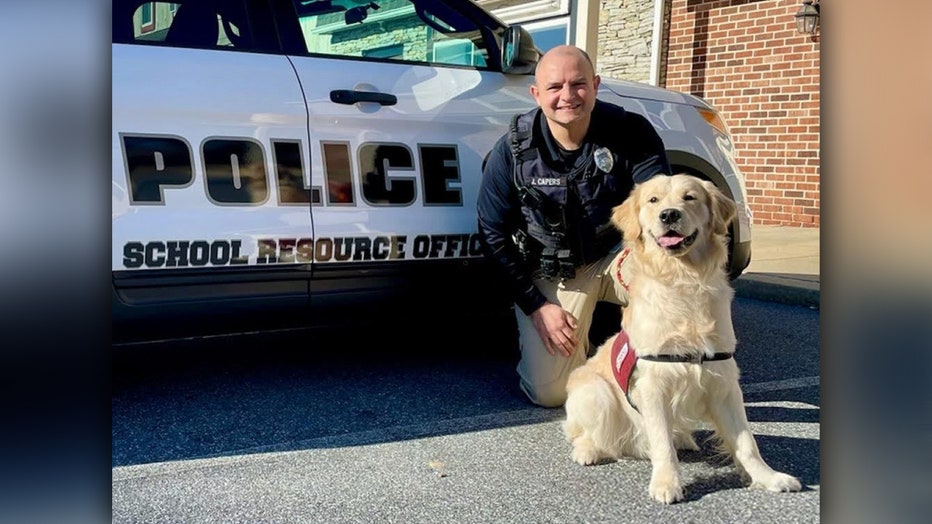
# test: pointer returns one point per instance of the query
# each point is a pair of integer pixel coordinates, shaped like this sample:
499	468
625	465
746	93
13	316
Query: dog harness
624	359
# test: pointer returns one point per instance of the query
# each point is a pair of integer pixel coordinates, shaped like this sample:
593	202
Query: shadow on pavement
326	389
795	456
312	389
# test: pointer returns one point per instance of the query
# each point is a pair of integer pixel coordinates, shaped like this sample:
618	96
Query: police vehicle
289	163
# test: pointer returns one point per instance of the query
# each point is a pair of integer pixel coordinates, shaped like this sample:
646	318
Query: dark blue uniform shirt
629	135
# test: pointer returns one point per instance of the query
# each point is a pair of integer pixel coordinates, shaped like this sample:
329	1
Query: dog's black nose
670	216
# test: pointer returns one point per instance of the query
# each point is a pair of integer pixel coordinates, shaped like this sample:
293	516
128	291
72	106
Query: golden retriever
678	323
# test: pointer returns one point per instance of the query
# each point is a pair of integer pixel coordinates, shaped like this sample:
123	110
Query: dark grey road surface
411	426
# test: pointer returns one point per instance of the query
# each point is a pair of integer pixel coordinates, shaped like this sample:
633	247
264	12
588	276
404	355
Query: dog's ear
723	208
625	217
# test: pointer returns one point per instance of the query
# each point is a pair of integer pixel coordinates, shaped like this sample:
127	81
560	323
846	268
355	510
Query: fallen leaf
437	466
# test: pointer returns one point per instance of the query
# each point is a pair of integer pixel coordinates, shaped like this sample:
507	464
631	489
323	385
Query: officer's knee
549	396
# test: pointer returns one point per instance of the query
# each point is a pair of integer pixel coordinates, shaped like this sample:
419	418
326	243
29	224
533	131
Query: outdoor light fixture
807	18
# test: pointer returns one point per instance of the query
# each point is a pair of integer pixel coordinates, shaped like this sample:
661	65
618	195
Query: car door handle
350	97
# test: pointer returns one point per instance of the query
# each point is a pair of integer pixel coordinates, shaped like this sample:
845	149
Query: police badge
604	159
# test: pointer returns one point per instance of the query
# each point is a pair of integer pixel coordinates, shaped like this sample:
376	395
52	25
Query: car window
391	30
203	24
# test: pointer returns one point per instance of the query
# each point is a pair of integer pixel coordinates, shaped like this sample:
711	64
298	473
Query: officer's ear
625	217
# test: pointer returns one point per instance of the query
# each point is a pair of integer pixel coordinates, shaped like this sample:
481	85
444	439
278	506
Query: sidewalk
784	266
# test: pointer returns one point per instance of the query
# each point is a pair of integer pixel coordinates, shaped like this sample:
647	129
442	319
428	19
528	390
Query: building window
548	21
147	17
512	12
549	34
459	52
389	51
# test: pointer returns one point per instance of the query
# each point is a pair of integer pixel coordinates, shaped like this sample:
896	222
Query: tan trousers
543	376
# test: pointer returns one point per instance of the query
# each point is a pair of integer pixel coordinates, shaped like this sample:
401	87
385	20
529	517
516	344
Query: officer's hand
556	327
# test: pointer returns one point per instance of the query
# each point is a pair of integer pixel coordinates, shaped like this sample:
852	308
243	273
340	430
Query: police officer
544	205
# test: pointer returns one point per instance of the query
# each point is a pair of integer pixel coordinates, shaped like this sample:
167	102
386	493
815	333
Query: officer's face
566	87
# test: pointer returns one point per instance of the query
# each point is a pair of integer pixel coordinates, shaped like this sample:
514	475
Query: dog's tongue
670	239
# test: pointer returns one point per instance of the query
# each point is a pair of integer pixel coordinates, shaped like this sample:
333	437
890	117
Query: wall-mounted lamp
807	18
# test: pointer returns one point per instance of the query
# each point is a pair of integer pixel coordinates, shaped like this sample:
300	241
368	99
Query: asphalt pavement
449	443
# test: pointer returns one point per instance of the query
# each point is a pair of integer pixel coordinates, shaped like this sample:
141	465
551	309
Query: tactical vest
591	189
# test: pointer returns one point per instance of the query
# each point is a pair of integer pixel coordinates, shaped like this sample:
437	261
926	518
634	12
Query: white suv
282	163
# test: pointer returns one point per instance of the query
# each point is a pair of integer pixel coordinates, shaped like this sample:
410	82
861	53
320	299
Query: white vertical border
584	27
656	46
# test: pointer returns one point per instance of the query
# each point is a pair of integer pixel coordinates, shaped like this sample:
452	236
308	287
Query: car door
209	140
404	103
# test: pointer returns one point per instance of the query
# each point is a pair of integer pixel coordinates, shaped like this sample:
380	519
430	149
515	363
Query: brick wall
746	58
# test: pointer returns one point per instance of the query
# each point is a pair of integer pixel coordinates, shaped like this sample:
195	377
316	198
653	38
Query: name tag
541	181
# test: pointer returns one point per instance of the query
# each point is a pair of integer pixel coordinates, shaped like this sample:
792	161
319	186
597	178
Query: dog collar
621	259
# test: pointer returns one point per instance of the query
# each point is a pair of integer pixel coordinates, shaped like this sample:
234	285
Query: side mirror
519	54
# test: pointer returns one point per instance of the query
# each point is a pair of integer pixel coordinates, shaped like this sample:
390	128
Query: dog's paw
584	453
666	487
778	482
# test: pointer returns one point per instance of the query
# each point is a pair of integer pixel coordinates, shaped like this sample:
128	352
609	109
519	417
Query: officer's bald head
562	53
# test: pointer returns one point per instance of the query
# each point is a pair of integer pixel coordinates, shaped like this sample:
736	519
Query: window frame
144	27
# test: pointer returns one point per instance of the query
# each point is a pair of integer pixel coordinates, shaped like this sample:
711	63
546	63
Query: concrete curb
785	289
